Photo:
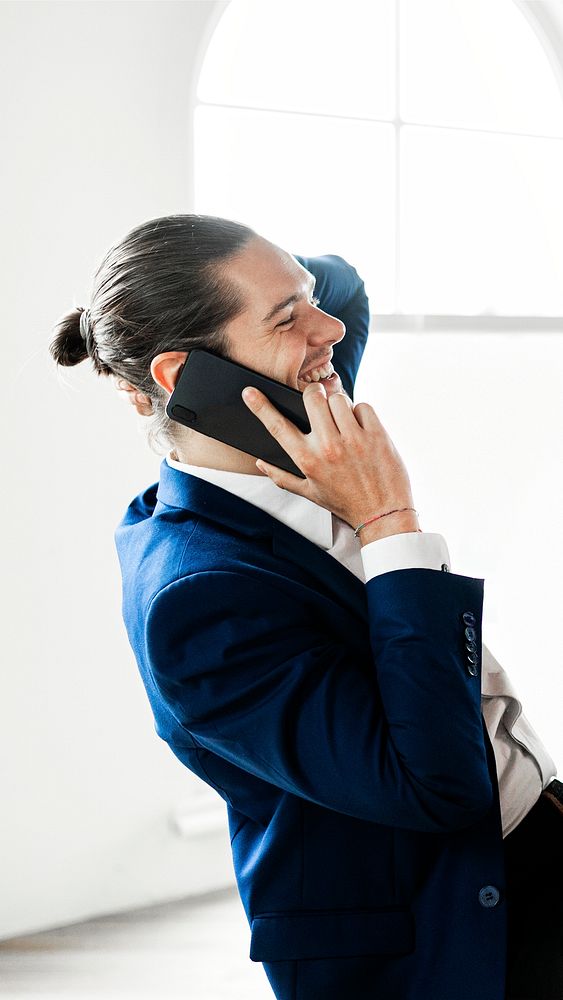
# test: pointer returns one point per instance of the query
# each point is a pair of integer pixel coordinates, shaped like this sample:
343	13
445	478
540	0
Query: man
329	686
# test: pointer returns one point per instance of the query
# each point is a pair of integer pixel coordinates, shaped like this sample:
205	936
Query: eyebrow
289	301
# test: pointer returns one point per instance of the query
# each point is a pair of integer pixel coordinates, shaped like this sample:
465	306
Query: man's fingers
285	432
328	421
285	480
279	426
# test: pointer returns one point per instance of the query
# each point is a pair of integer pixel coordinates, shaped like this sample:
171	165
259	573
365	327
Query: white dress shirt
523	764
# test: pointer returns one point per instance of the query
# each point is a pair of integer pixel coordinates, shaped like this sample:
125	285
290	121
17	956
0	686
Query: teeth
318	373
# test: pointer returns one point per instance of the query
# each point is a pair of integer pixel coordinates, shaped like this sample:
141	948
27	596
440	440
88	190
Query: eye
314	302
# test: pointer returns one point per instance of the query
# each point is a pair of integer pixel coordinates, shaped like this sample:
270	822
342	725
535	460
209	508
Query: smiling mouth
320	374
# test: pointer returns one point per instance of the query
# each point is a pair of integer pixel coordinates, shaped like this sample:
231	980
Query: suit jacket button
471	646
472	669
445	568
470	634
489	895
468	618
472	657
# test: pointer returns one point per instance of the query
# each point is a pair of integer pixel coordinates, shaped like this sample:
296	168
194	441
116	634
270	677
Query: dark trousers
534	898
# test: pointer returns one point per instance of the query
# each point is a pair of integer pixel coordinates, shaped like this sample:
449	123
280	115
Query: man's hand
352	467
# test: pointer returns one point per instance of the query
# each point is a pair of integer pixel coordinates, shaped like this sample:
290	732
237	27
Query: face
281	332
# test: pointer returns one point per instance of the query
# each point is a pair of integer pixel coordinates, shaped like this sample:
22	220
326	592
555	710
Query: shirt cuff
407	550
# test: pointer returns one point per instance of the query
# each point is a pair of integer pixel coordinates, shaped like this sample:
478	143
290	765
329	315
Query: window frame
542	21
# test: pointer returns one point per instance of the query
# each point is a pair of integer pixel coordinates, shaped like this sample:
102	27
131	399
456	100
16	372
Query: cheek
287	354
295	359
285	357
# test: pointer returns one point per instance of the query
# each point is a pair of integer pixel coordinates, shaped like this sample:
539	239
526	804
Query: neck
205	451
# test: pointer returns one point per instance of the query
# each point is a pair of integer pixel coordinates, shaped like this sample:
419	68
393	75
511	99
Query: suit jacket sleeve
241	660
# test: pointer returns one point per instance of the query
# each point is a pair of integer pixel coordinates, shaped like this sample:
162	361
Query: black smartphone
207	397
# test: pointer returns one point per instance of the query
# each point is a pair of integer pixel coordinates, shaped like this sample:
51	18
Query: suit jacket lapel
329	574
180	489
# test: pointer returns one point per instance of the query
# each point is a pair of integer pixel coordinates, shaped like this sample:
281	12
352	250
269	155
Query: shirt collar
304	516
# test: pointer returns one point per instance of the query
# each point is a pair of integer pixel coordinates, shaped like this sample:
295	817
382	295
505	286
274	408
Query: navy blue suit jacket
341	725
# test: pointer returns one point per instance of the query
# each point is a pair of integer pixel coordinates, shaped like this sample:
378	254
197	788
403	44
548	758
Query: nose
325	329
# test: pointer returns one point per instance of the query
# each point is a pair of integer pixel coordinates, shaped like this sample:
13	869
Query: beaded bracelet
398	510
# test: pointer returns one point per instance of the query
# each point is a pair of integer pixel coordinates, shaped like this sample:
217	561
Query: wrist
392	524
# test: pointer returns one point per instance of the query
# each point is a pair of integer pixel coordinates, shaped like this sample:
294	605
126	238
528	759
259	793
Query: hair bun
72	338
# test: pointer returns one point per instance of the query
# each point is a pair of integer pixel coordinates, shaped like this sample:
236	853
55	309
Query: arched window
422	141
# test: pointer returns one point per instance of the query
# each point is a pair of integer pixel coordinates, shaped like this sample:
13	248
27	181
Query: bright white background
99	135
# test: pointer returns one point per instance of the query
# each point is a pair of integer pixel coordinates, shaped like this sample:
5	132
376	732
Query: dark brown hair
161	288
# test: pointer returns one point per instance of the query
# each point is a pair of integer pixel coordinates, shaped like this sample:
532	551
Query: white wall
98	136
477	419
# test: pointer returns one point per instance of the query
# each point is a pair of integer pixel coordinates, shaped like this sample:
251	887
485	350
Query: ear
165	368
138	399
